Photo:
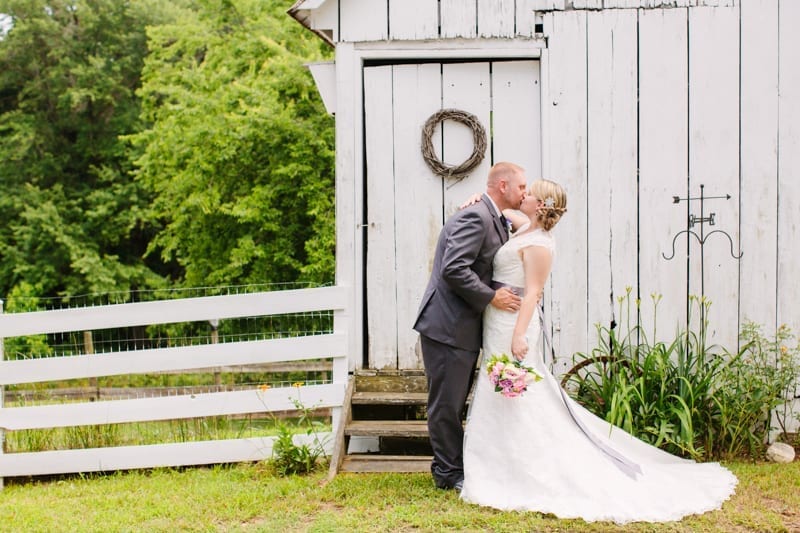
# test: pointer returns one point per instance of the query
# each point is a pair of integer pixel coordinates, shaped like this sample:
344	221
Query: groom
449	318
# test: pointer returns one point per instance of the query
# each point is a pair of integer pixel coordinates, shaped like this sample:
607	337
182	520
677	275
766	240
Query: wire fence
172	335
162	335
49	303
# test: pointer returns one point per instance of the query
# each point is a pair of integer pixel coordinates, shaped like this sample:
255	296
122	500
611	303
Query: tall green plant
289	457
684	396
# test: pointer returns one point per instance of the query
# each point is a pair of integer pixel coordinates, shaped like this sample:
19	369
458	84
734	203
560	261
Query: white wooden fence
331	346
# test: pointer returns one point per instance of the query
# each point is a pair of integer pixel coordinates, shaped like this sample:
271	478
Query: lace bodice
508	267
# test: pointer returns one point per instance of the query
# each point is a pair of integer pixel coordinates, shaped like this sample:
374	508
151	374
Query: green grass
251	498
143	433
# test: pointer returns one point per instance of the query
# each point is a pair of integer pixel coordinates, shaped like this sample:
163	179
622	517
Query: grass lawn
250	498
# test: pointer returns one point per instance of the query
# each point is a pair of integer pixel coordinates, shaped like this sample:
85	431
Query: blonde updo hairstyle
550	193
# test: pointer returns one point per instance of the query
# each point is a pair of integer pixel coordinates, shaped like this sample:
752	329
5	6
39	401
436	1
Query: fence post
88	348
339	372
2	400
214	322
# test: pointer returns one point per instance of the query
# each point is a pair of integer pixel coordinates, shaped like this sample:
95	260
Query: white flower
549	201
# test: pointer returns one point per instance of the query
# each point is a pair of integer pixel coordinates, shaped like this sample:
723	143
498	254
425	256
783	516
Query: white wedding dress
530	453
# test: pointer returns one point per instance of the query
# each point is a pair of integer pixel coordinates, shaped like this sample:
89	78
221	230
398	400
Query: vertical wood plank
567	161
663	163
459	18
612	150
758	198
496	18
413	19
549	5
516	115
326	17
526	18
714	162
418	199
363	20
381	277
789	167
349	243
613	4
465	86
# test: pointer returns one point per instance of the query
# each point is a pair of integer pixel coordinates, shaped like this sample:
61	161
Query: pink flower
509	376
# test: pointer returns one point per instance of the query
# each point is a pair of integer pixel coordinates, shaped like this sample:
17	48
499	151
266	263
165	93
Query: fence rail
330	348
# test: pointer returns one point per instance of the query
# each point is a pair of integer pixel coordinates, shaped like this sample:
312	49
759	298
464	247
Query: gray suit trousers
449	371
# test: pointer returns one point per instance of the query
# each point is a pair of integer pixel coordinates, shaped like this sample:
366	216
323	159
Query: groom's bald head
503	170
506	185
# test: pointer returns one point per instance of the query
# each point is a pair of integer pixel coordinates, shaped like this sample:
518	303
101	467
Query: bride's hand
519	347
474	199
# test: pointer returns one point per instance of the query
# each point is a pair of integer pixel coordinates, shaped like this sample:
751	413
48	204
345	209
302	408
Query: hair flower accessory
549	201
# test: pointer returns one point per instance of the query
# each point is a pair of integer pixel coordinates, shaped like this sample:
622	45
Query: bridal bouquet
510	377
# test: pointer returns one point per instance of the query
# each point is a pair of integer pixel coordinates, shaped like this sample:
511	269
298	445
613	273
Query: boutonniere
506	223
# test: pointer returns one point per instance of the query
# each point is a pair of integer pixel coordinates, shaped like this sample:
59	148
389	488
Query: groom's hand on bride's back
505	300
474	199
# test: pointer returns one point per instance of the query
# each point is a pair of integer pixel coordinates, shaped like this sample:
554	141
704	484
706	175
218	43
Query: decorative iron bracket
701	220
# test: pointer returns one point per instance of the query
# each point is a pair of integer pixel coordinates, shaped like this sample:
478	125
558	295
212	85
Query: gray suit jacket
458	290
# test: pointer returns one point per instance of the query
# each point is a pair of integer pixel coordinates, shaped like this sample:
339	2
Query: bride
544	452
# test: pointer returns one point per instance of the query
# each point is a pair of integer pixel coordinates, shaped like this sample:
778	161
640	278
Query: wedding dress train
544	452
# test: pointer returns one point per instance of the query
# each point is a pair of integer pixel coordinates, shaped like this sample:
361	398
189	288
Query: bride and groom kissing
540	451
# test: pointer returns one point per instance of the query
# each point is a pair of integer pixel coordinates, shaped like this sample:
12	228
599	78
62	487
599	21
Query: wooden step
387	428
386	463
390	398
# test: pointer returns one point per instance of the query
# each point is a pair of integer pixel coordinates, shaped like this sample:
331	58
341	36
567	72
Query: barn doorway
405	202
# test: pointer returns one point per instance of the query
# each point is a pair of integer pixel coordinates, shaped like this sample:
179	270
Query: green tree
72	214
238	155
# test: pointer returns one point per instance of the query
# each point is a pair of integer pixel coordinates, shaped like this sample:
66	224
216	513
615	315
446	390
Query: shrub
683	396
774	363
288	457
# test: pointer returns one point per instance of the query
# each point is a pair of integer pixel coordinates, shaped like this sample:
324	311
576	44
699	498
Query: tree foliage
239	155
145	143
72	215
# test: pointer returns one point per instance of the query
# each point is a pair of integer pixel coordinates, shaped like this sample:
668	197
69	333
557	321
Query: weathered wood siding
718	104
641	101
377	20
788	172
406	203
662	153
566	128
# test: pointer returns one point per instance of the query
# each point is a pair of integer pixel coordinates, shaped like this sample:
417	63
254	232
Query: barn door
406	202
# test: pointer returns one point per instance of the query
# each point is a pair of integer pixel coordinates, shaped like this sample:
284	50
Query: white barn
627	103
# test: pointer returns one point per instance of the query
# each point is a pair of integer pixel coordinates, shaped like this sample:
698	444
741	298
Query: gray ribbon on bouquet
627	466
